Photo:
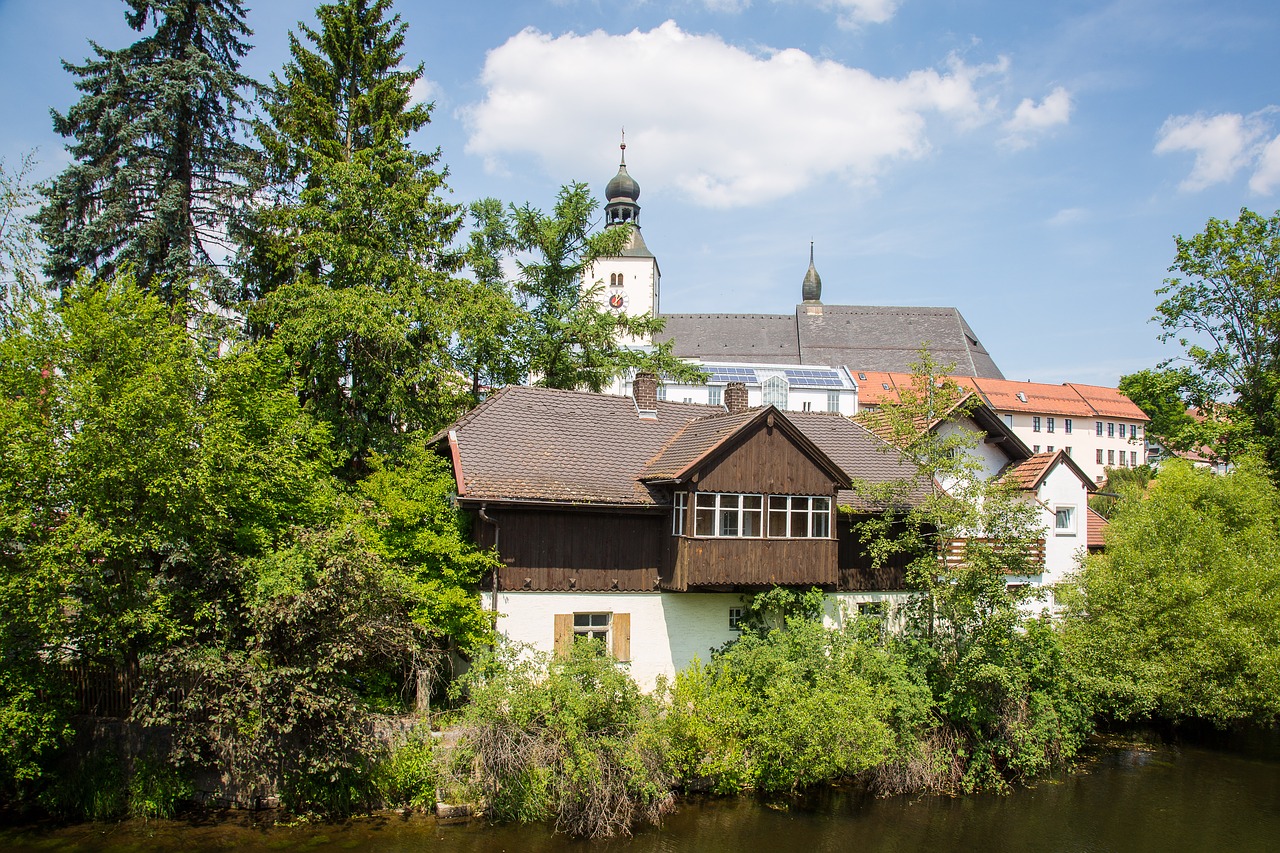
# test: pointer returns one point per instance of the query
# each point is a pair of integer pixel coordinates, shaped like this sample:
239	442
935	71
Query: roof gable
1030	473
705	441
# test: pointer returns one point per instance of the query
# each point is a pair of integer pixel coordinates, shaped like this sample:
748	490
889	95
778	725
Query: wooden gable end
765	460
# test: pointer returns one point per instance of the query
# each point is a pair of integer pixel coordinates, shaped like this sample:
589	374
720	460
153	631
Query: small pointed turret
811	290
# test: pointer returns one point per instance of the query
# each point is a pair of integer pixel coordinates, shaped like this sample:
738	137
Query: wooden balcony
700	564
953	553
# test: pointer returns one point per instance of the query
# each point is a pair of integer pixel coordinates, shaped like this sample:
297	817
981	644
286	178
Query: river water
1124	797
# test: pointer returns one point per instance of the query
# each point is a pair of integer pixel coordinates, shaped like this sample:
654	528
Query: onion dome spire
811	290
621	194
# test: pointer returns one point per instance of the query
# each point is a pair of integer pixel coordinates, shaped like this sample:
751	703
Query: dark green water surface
1127	797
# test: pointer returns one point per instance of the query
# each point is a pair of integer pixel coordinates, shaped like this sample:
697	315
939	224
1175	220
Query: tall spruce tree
348	260
158	162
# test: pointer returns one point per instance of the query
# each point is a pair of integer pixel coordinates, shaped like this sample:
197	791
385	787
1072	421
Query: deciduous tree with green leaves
1008	706
1222	305
1180	617
158	161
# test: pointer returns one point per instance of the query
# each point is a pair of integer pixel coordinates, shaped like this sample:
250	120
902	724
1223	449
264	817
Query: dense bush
570	738
410	775
1180	618
792	707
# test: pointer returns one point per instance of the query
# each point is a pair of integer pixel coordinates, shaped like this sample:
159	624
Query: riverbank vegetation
220	520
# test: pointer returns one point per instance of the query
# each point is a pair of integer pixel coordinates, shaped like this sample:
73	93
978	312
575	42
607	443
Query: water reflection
1132	798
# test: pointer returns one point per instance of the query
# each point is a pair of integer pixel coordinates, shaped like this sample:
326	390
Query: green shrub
569	738
156	789
409	776
791	708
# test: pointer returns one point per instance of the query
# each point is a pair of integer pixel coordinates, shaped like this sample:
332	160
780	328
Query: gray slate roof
862	337
538	444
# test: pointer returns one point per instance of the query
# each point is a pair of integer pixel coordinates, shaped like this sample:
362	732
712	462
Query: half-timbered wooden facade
642	522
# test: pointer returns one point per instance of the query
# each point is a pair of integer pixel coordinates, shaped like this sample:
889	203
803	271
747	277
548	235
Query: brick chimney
735	397
644	388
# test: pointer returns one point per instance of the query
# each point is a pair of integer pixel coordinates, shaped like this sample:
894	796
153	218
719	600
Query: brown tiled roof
528	443
861	454
537	444
1109	402
695	440
1041	398
1096	527
1028	473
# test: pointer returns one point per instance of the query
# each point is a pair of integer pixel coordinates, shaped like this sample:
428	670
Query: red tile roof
1071	399
1097	529
1030	473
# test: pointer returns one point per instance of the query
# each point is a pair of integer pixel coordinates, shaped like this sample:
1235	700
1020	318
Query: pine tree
347	260
158	164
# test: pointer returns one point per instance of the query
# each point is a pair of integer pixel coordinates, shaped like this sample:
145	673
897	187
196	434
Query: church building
861	337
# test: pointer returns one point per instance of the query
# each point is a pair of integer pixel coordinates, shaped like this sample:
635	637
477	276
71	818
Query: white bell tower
629	282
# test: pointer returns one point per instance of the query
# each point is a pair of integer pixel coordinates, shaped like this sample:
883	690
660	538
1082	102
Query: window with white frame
662	391
1111	457
806	406
833	401
728	515
1133	430
715	396
1098	425
1035	424
796	517
1035	448
1066	425
1111	430
1099	455
1064	520
1133	459
1049	424
775	392
592	626
1049	449
1008	421
735	618
679	509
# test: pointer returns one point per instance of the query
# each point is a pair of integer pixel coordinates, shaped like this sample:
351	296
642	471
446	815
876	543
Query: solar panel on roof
730	374
814	378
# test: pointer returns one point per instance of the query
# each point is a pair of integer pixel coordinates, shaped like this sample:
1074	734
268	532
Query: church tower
630	282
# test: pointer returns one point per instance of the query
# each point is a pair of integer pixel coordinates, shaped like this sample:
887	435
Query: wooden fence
100	692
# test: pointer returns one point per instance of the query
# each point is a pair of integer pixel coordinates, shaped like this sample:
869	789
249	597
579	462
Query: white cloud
1031	118
1266	178
1068	216
1223	144
850	14
726	126
423	91
853	13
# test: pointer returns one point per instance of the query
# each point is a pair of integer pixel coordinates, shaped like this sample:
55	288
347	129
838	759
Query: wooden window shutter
622	636
563	633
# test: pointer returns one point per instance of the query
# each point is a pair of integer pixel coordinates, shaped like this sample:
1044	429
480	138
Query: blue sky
1027	163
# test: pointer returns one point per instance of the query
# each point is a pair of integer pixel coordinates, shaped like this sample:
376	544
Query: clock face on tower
618	301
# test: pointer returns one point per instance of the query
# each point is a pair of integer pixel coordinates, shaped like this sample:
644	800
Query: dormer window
775	392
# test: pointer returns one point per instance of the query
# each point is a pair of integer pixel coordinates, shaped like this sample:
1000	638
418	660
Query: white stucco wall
1083	439
1062	549
668	629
